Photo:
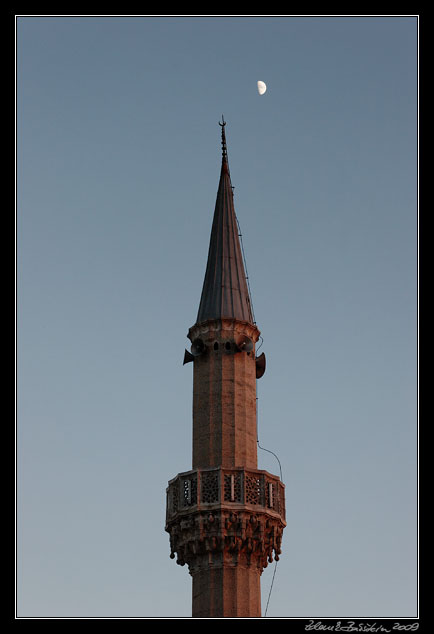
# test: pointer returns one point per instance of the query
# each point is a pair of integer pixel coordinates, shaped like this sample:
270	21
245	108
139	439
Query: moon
261	87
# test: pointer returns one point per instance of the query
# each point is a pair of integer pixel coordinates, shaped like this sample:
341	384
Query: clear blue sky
118	157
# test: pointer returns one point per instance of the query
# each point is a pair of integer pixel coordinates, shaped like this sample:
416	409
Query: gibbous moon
261	87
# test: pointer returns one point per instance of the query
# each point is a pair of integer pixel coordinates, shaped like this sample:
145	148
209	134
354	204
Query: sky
118	161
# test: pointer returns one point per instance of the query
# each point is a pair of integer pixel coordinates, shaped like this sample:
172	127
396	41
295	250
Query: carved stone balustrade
225	517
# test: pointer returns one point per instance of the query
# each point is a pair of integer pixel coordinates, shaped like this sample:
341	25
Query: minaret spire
225	291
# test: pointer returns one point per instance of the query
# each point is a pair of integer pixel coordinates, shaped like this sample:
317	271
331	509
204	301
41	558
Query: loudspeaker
197	347
244	344
260	365
187	357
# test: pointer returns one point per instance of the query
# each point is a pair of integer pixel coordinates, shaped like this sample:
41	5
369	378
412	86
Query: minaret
224	516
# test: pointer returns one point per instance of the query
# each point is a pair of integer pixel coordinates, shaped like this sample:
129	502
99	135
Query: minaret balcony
224	514
206	489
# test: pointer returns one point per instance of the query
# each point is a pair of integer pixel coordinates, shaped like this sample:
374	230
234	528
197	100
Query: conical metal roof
225	292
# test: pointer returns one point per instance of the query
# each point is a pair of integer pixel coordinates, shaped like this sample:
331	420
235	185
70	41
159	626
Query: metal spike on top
224	149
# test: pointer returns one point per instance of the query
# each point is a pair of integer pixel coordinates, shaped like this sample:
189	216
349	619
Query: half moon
261	87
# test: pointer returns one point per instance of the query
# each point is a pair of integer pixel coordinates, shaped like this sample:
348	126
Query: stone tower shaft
224	396
225	517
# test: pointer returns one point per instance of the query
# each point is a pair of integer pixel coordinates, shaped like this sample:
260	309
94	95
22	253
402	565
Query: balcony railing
201	489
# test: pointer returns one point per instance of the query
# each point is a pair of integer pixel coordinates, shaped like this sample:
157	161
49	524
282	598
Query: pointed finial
224	151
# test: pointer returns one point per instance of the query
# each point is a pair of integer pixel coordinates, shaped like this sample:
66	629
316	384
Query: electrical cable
281	479
240	235
271	587
272	452
257	435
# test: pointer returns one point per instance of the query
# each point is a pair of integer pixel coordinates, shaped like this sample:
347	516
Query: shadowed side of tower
224	516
